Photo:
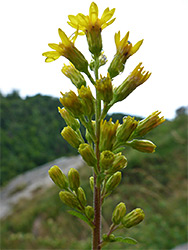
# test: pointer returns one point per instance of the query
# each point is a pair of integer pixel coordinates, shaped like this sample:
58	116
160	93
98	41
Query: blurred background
32	217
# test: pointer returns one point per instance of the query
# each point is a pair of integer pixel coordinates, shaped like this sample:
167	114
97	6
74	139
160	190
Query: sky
28	26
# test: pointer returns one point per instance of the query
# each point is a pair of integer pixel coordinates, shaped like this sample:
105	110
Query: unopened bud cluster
102	143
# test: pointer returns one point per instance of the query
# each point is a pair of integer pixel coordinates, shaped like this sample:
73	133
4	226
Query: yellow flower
92	26
124	51
67	49
135	79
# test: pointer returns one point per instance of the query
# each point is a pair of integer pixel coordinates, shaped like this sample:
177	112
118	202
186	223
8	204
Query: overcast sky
28	26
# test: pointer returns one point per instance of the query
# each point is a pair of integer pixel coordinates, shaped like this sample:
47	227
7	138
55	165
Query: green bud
69	199
74	75
124	131
91	182
71	136
142	145
88	134
118	213
87	100
135	79
81	196
113	182
104	87
69	119
111	237
74	179
72	103
87	154
120	162
133	218
89	211
147	124
108	134
58	177
106	159
102	61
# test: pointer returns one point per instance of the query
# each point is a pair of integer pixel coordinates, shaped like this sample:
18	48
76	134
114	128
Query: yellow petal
136	47
117	39
107	16
73	19
105	12
124	40
72	25
55	47
93	12
64	38
82	20
107	24
51	56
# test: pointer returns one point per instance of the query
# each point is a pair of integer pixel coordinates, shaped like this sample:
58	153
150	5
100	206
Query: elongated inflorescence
102	144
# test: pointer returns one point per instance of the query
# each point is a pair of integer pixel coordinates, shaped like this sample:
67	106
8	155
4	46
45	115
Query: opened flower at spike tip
67	49
125	49
92	25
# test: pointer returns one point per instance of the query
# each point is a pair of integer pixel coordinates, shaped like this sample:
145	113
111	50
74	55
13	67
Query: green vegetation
157	183
29	133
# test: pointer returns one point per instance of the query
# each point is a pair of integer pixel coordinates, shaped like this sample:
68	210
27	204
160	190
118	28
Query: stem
97	189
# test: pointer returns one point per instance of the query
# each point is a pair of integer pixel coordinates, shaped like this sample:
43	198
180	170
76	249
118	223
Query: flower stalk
102	146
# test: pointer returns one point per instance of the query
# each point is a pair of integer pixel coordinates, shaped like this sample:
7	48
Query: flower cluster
103	141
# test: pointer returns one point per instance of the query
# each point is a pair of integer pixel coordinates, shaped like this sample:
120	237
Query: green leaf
128	240
80	216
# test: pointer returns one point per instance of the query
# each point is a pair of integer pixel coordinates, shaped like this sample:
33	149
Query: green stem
97	189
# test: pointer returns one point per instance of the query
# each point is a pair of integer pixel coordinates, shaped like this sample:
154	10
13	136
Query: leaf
81	216
128	240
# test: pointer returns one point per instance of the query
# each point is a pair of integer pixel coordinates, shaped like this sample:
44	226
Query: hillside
157	183
30	133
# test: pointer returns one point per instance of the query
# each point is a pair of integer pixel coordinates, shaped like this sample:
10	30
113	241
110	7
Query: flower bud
113	182
120	162
87	100
135	79
91	182
102	61
87	154
58	177
69	199
124	51
72	103
145	146
147	124
104	87
89	211
133	218
106	159
88	135
118	213
108	133
71	137
124	131
74	75
69	119
81	196
74	179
